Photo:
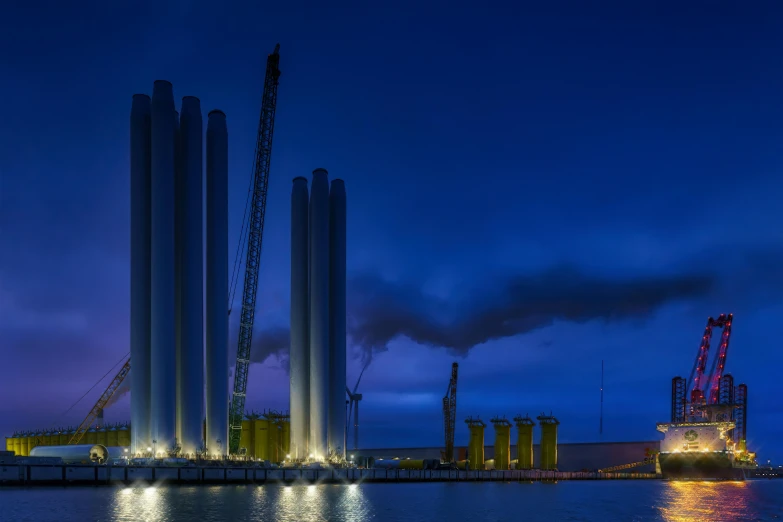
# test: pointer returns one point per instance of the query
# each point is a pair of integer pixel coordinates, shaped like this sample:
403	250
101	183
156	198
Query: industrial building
571	456
167	283
318	318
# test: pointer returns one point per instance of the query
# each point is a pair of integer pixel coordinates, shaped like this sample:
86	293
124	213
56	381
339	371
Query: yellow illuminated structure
112	437
549	426
476	442
411	464
267	437
260	439
247	438
524	441
502	443
285	443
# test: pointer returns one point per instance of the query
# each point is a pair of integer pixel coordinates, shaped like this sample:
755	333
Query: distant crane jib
101	403
255	233
719	364
701	358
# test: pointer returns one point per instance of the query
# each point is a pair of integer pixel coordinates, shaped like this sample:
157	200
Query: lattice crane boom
450	414
719	364
255	233
102	401
704	388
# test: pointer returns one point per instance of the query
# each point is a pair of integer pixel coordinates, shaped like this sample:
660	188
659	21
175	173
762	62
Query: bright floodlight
149	449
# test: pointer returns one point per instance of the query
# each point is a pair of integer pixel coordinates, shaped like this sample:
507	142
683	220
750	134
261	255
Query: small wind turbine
354	399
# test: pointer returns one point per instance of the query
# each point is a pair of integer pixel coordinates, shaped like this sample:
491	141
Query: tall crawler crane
255	232
450	414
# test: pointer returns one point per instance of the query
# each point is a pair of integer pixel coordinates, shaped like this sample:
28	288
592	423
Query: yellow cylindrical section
285	445
9	444
91	437
24	449
411	464
63	438
247	438
101	437
112	438
275	434
46	439
548	446
261	439
476	447
502	446
524	446
35	441
17	445
123	437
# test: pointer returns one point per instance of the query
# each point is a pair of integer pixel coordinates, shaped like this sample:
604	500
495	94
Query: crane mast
255	232
450	414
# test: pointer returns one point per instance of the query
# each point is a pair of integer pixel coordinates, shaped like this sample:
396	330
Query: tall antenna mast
601	422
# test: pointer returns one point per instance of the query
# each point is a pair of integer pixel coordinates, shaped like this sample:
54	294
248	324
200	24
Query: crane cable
241	244
96	384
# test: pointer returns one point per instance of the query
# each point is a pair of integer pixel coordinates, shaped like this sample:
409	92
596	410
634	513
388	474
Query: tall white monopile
319	313
140	272
163	394
337	319
190	370
217	284
299	357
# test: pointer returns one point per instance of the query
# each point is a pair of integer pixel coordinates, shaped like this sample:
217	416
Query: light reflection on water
707	500
417	502
300	502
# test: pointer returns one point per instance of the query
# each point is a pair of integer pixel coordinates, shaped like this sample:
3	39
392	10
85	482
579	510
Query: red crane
704	389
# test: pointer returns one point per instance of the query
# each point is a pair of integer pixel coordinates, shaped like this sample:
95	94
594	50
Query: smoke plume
381	311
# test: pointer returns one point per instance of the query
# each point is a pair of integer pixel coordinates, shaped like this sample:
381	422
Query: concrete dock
61	474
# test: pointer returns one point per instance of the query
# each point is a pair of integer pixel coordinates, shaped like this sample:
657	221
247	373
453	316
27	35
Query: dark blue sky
531	189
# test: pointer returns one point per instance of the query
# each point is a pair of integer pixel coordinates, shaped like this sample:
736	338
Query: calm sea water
477	502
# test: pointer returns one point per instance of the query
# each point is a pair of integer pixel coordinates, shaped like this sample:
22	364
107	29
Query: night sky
531	190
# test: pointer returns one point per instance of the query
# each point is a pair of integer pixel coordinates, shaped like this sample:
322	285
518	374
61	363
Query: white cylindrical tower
163	299
217	284
319	313
191	361
299	357
140	271
337	324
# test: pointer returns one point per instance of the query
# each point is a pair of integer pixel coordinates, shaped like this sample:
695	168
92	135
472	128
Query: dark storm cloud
266	342
272	341
381	311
